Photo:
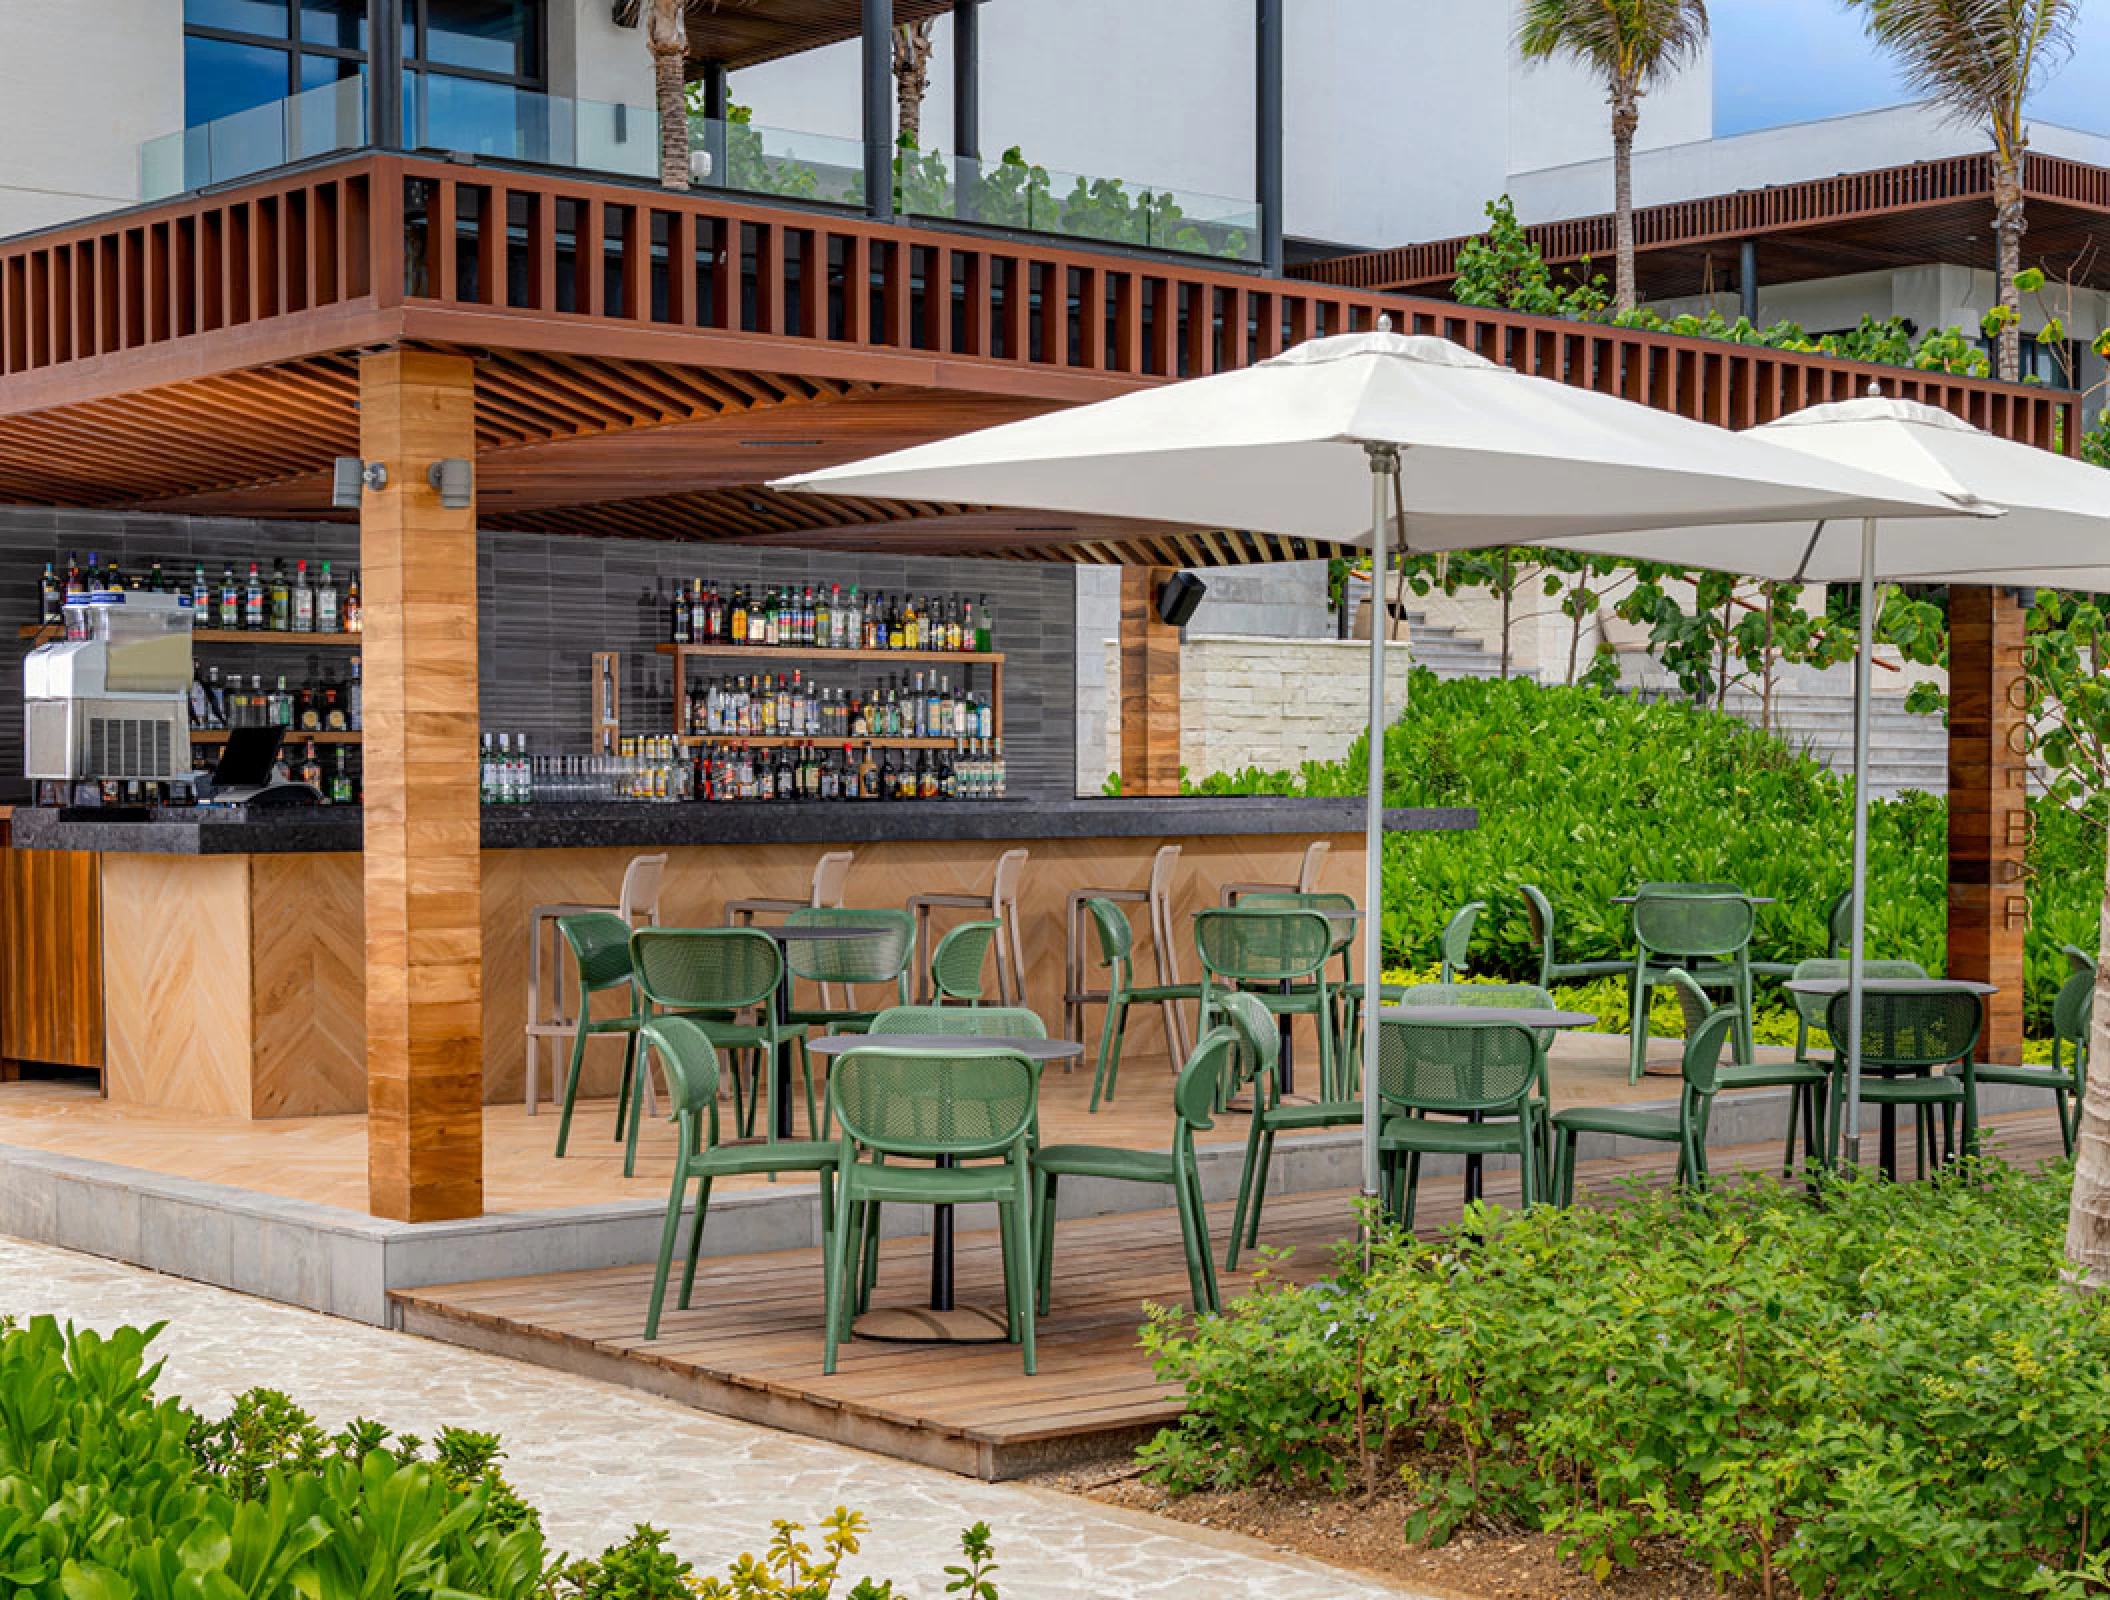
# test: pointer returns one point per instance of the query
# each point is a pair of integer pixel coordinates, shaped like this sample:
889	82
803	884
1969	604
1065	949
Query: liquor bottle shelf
804	652
345	641
771	741
294	737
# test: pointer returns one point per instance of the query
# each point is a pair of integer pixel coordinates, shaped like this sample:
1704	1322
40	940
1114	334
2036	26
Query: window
473	77
241	54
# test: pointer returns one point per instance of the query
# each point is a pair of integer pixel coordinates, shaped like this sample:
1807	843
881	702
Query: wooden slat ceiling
744	33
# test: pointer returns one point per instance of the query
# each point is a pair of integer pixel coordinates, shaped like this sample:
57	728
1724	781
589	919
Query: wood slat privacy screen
539	261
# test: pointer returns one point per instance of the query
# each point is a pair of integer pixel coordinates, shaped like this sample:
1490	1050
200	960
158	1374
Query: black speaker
1179	597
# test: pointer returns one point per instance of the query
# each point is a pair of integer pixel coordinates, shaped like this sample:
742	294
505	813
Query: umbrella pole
1384	473
1856	950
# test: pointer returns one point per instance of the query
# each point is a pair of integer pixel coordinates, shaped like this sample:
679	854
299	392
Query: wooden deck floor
751	1347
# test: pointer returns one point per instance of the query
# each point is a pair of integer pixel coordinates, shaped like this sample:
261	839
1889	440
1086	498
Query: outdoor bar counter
233	950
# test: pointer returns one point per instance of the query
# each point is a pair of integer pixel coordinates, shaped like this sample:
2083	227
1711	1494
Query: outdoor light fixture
1179	597
350	476
456	481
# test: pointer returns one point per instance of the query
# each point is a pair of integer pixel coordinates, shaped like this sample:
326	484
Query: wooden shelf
342	641
785	652
771	741
293	738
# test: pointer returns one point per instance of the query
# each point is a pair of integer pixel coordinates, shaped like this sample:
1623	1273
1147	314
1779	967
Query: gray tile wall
546	603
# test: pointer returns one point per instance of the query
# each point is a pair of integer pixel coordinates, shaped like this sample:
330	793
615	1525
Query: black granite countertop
187	832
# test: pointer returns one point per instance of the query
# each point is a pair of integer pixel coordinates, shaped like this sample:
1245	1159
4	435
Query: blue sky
1778	61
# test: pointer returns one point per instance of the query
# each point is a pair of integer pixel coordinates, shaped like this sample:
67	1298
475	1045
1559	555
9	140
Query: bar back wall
547	603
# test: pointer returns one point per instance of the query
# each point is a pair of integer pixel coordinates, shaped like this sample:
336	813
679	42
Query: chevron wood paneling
176	981
307	985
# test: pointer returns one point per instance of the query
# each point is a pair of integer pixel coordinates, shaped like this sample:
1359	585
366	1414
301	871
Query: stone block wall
1247	702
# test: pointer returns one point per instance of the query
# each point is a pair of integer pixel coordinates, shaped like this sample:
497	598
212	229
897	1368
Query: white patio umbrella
2054	534
1324	440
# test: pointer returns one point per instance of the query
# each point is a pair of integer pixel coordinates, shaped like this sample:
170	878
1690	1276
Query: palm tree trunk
2009	224
1626	118
912	46
668	35
2088	1215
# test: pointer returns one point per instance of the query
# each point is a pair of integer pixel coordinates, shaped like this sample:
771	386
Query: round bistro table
945	1322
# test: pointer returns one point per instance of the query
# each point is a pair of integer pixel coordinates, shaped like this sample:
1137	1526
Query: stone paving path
596	1459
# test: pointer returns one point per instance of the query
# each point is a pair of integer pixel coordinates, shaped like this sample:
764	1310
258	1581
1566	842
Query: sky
1779	61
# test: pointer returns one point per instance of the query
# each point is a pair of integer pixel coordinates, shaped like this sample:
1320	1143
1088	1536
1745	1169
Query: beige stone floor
597	1459
323	1159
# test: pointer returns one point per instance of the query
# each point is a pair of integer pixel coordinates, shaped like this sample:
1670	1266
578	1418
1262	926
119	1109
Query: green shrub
107	1493
1889	1396
1587	795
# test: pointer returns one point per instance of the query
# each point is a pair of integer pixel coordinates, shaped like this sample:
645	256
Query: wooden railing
1747	214
552	255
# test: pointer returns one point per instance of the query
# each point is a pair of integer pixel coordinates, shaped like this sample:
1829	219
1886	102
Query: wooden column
1989	740
424	972
1150	688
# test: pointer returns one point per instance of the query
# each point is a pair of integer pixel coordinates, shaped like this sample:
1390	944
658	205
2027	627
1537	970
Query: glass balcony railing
503	123
315	123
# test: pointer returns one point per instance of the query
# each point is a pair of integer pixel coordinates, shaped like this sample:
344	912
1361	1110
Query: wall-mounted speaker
1179	597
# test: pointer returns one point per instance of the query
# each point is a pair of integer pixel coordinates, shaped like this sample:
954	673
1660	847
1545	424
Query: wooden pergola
622	361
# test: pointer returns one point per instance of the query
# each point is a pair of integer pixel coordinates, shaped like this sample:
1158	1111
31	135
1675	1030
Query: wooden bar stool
1307	877
831	876
1077	992
1000	904
638	899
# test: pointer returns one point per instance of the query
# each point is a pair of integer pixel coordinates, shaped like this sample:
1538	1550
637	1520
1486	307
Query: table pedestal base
921	1325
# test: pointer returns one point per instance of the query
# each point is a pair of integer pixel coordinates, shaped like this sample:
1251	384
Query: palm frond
1630	44
1978	59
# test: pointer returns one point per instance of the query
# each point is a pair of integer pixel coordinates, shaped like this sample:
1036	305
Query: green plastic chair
2067	1076
956	965
1839	936
973	1106
719	973
1432	1076
1260	1045
1812	1009
1700	930
1279	957
881	959
1687	1128
2077	959
1193	1101
1516	997
689	1063
1117	953
1806	1081
962	1022
1906	1039
1456	937
1538	912
600	951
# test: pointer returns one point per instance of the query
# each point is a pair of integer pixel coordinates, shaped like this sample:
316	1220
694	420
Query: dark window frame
417	14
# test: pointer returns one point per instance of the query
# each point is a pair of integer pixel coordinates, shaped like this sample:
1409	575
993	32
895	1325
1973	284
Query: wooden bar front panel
51	984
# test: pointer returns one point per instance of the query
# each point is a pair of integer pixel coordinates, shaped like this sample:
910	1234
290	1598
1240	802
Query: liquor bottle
523	772
51	603
281	598
355	700
678	617
157	583
354	619
737	629
502	771
699	613
340	781
303	601
485	764
229	614
998	760
253	601
328	618
74	590
331	698
200	598
311	769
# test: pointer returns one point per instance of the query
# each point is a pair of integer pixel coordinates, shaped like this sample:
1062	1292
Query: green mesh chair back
1195	1091
600	947
1513	996
1707	1030
882	958
1455	1067
706	969
2077	959
1263	946
1117	939
1813	1008
962	1022
1910	1032
1700	924
1457	937
1259	1039
690	1063
1538	916
927	1103
1839	924
1277	900
2070	1013
957	964
1659	886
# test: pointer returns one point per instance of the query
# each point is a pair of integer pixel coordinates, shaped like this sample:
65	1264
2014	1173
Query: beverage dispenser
110	701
